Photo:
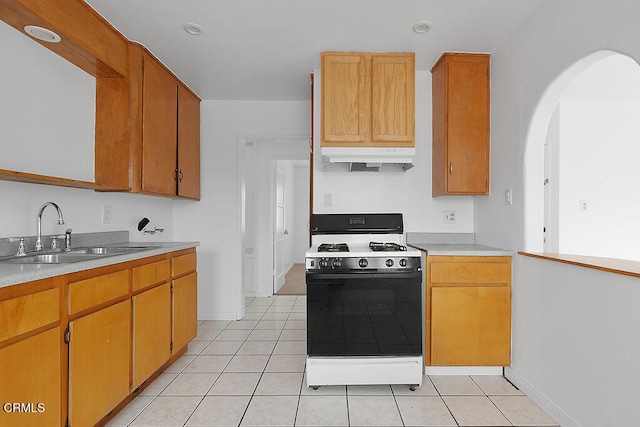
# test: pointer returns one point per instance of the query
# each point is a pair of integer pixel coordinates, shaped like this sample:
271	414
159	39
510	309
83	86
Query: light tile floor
251	373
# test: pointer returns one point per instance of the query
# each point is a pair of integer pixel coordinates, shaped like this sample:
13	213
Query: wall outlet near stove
449	217
106	214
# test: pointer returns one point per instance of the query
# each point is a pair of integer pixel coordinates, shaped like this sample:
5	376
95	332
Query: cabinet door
185	310
159	129
151	332
188	144
468	126
30	375
99	355
470	326
345	98
461	121
393	99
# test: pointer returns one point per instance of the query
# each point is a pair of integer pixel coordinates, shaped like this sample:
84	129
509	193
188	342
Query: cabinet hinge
171	346
171	289
66	423
175	175
67	336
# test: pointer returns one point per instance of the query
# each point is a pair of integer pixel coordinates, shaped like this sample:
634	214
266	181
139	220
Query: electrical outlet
449	217
106	214
584	206
328	200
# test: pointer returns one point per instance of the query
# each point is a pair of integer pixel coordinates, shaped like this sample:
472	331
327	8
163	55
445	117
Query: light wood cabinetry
170	133
99	354
461	122
151	332
368	99
30	356
30	375
468	311
85	344
155	143
185	299
164	159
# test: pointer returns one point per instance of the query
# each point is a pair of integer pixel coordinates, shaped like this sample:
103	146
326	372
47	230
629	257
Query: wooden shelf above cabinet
88	40
7	175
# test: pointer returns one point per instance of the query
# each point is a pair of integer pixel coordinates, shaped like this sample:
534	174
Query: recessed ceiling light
422	27
193	29
42	34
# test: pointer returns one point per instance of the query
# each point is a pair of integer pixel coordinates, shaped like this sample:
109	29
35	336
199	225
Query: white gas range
364	302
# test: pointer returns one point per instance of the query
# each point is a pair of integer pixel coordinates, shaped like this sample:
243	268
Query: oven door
364	314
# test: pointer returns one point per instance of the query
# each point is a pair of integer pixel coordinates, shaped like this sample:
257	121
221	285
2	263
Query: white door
279	233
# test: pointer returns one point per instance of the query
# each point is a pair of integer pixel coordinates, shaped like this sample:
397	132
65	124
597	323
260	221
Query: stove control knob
323	263
403	262
363	263
389	262
336	263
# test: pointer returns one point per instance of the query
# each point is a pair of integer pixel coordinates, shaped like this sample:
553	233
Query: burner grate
333	247
386	247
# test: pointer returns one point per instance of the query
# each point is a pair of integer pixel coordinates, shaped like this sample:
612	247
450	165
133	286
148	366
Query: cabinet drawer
29	312
183	264
97	290
470	272
150	274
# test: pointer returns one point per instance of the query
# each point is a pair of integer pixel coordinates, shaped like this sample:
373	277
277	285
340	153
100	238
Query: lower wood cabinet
185	309
75	347
151	332
468	311
99	355
30	377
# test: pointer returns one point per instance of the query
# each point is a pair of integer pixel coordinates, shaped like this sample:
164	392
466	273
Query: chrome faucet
60	222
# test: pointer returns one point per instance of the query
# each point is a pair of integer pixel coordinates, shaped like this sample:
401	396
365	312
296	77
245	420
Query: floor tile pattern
251	373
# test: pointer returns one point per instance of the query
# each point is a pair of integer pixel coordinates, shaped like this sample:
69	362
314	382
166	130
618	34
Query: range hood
369	158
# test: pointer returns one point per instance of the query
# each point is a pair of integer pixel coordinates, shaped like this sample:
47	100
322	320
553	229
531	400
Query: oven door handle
363	275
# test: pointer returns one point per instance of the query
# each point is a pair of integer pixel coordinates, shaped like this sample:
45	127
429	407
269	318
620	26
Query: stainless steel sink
75	255
109	250
57	258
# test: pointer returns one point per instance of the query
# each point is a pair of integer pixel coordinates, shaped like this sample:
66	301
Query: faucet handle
67	240
21	249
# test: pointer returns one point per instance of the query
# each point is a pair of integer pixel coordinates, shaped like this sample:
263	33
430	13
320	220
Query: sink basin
109	250
75	255
57	258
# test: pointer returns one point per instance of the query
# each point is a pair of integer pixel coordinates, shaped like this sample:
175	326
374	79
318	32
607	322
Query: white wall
525	71
576	342
47	110
215	221
392	191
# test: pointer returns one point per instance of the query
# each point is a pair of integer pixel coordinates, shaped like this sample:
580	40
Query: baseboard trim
463	370
558	415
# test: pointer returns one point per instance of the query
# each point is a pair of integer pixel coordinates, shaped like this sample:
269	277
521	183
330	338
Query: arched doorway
545	203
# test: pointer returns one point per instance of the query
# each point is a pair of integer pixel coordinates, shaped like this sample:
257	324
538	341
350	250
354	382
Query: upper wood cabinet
461	117
368	99
148	130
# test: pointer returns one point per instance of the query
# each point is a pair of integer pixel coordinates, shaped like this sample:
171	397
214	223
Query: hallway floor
251	373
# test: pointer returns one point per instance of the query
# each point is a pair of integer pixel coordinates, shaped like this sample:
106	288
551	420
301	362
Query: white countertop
12	274
457	249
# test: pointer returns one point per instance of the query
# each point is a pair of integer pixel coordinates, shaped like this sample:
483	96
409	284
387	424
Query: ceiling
265	49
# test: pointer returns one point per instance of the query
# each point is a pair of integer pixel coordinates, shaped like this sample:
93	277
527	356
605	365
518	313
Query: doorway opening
582	193
274	196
